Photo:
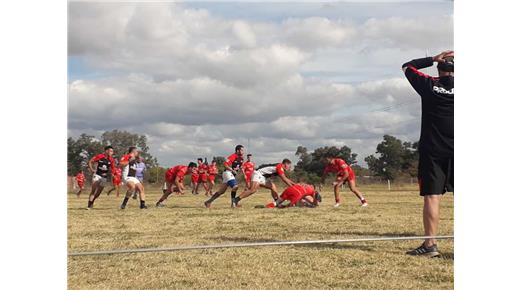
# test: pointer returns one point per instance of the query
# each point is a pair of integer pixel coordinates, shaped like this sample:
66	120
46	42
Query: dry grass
371	265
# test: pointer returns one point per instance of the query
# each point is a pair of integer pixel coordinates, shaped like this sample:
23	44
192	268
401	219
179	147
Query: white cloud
196	84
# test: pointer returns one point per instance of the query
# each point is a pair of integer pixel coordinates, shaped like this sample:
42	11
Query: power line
259	244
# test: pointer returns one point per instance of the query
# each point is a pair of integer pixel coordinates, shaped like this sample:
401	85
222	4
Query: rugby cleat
207	204
425	251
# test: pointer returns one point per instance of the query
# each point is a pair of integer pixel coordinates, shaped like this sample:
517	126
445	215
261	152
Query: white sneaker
337	205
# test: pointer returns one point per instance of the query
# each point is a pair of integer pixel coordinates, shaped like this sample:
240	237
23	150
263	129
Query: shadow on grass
447	256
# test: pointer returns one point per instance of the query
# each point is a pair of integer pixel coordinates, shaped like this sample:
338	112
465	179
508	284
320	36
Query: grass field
184	221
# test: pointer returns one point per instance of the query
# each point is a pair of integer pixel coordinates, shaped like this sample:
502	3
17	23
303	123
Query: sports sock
237	199
90	203
125	201
142	203
233	194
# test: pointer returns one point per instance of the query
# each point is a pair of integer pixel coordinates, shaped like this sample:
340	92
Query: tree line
393	157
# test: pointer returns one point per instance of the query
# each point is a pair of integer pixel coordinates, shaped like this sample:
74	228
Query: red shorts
194	178
203	178
211	177
351	175
292	195
248	177
116	180
168	177
81	184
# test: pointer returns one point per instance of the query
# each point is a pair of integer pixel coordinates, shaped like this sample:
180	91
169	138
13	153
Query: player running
80	180
345	174
129	165
174	181
105	163
202	171
212	173
262	177
116	181
248	168
232	165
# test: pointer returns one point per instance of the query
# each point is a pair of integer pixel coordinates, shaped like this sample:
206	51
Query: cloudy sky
198	78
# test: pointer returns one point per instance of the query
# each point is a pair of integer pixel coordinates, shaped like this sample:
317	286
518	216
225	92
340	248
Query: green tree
79	152
395	158
314	162
121	140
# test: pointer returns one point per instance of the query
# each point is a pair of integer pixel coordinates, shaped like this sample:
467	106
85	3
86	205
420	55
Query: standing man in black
436	142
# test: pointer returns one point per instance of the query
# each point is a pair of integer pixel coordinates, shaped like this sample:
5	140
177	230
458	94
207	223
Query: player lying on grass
212	173
174	181
300	195
262	177
80	180
232	165
248	168
202	170
104	164
344	174
129	165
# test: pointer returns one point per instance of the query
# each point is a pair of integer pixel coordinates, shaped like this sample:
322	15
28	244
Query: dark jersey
234	161
104	164
437	95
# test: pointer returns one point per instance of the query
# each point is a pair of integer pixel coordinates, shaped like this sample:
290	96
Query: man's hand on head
440	57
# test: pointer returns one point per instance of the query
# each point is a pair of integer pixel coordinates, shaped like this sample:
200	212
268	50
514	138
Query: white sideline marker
259	244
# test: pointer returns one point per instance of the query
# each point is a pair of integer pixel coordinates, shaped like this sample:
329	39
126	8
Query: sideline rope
259	244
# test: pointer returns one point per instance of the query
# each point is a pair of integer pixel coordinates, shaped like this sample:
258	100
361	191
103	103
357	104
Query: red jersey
176	172
337	166
80	178
248	167
202	169
212	169
234	161
103	163
297	192
272	170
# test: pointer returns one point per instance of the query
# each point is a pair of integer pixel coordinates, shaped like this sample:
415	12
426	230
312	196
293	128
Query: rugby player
436	156
80	180
116	181
301	194
202	171
104	164
194	180
129	165
212	173
232	165
247	168
344	174
262	177
174	180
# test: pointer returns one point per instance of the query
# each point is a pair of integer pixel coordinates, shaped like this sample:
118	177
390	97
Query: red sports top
338	166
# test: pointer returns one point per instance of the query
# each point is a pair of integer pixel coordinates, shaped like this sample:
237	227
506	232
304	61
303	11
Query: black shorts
435	174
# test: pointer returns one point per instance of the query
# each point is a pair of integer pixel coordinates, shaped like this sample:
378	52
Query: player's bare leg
431	216
221	190
94	196
140	188
337	188
353	188
274	191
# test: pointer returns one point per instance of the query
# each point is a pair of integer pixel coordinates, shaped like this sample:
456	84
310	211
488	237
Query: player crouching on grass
232	165
174	181
105	162
262	177
345	174
299	195
129	165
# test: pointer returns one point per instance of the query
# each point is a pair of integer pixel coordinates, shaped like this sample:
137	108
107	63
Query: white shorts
227	176
131	179
98	178
258	177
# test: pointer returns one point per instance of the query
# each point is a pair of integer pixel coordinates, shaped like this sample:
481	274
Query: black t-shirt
437	96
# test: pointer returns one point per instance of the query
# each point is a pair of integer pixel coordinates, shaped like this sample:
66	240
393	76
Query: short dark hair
238	147
199	159
448	65
249	155
286	161
108	147
131	148
192	164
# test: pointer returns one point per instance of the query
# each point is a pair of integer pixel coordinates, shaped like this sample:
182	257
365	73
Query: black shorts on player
435	174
